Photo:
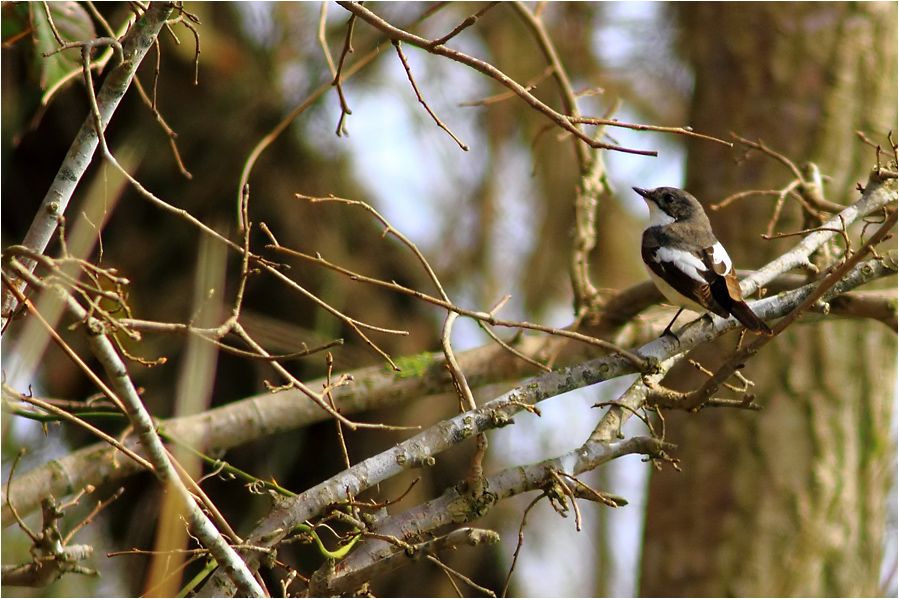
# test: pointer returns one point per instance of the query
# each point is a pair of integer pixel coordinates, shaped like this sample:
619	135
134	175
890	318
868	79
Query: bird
687	262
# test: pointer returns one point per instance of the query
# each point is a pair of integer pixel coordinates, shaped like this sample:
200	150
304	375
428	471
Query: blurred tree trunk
791	500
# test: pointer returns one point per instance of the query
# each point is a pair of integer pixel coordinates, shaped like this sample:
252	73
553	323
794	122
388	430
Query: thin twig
101	505
64	415
434	559
346	456
337	81
468	22
465	396
12	471
421	100
529	85
687	131
524	521
483	316
487	69
521	356
322	39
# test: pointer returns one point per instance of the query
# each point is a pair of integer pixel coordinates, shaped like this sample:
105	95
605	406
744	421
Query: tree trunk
791	500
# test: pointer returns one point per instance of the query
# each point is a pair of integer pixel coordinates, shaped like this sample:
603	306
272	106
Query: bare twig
520	544
421	100
485	68
143	424
337	82
64	415
489	331
465	396
503	96
101	505
468	22
322	39
12	472
686	131
452	572
329	395
482	316
134	47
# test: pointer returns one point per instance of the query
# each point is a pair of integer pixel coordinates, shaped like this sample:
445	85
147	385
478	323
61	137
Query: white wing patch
719	255
684	261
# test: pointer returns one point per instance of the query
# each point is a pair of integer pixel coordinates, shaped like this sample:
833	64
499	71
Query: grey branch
139	39
271	413
879	192
321	583
375	556
423	447
116	371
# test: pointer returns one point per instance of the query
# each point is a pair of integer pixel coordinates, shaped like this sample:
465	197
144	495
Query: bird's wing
725	289
687	273
721	275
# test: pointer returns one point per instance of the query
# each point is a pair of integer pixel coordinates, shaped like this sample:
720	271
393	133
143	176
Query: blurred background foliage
494	220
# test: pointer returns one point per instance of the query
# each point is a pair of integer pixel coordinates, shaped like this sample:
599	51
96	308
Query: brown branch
323	41
502	96
483	316
64	415
330	396
468	22
212	335
877	305
421	100
562	121
740	357
520	355
347	49
520	544
450	572
686	131
12	472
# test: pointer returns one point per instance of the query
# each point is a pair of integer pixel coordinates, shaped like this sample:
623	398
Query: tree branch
137	42
423	376
375	556
421	449
126	395
488	69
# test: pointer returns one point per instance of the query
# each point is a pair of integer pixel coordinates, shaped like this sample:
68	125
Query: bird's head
669	204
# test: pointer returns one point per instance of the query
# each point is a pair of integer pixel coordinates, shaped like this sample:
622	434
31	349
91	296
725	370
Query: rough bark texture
792	500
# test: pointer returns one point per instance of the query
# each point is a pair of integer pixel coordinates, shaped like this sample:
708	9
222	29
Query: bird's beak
643	192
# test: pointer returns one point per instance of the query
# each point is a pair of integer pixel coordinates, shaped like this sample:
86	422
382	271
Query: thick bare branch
455	507
137	41
126	394
375	387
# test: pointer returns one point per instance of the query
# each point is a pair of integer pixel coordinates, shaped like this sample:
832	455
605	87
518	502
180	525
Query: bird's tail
748	319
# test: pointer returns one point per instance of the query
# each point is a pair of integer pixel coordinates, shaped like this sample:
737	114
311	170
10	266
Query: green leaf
73	23
14	23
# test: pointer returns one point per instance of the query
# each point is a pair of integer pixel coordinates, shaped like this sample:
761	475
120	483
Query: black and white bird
687	263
